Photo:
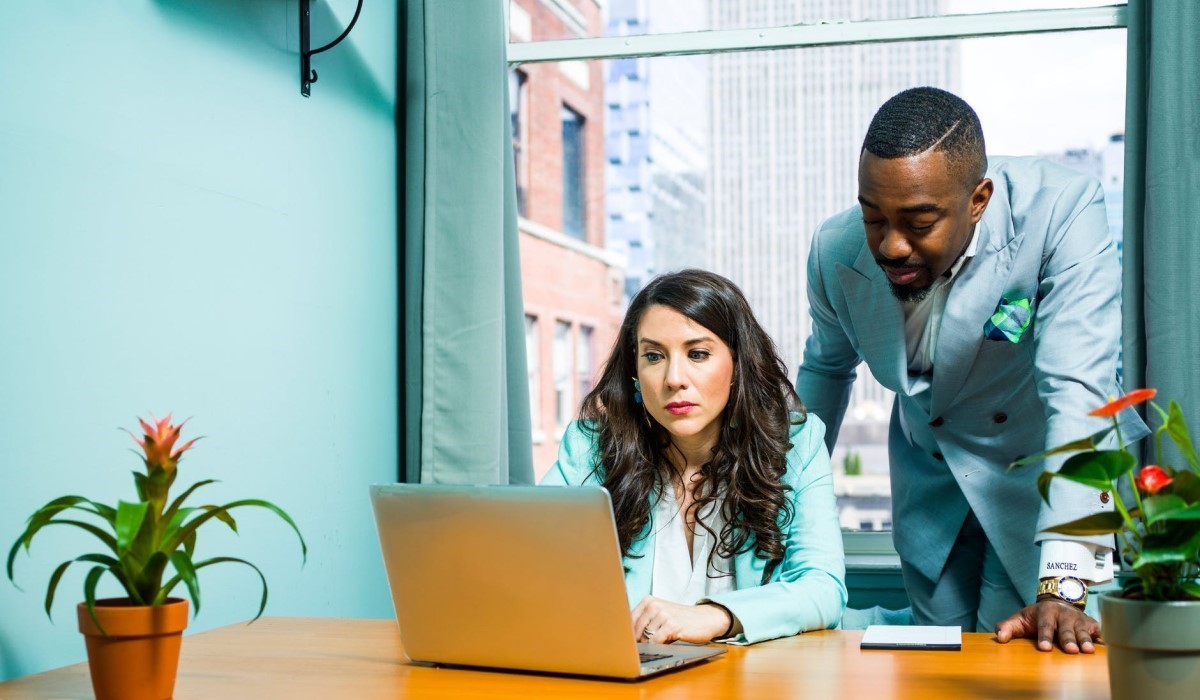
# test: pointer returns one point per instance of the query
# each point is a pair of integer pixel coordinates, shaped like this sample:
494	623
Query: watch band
1066	588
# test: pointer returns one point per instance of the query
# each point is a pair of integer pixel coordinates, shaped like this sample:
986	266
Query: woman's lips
901	275
680	409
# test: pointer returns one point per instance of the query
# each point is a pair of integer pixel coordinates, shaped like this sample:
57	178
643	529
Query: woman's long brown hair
750	458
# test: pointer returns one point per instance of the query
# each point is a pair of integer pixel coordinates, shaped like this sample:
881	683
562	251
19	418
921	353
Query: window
518	113
573	189
729	162
564	404
533	371
584	363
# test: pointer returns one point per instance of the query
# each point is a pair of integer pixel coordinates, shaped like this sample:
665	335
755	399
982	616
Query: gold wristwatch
1066	588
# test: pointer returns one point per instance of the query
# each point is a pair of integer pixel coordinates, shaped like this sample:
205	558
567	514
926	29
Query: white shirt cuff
1079	559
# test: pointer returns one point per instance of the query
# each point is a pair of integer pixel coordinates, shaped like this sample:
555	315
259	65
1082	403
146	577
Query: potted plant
133	642
1152	626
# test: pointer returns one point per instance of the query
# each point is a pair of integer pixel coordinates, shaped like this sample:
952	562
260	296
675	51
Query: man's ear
980	198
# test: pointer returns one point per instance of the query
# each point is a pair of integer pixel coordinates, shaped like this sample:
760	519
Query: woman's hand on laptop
662	622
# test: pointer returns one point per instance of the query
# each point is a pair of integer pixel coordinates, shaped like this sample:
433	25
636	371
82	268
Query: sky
1045	92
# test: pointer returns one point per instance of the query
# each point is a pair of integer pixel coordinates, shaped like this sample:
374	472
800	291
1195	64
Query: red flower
1152	479
1115	406
159	440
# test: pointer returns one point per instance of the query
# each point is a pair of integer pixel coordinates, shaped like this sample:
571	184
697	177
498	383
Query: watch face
1071	589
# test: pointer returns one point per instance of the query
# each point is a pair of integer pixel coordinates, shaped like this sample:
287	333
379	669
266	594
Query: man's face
919	216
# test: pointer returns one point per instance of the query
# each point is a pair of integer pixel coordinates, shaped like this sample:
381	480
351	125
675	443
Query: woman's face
685	372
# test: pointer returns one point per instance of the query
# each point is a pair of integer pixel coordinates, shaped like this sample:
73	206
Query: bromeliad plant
142	537
1160	529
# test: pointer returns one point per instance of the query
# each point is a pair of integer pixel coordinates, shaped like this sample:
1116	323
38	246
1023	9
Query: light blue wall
181	231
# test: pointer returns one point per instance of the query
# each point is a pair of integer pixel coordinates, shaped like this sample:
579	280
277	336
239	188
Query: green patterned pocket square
1009	320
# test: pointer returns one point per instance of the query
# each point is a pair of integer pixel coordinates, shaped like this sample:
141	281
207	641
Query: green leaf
26	539
183	565
1178	432
129	520
166	589
1087	443
108	561
1096	524
169	514
189	545
222	515
1162	555
173	526
139	481
1155	507
54	578
1186	485
1192	588
1043	485
89	594
1099	468
190	528
1162	551
1169	508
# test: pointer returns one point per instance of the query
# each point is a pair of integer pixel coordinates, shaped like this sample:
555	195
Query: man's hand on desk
1049	620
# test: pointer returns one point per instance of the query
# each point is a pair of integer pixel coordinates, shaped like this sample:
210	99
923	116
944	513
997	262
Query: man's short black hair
922	118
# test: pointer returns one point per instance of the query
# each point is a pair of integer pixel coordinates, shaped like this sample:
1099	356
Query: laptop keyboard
647	658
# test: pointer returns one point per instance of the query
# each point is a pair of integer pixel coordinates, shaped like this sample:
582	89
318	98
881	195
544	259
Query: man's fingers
1086	630
1015	626
1046	626
1067	640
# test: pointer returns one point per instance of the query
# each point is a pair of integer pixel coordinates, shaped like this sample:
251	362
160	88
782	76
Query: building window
533	371
518	111
583	360
573	190
564	405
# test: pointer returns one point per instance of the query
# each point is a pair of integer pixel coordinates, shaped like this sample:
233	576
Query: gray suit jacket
1043	237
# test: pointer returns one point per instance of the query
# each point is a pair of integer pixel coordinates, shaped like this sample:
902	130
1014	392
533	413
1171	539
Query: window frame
864	550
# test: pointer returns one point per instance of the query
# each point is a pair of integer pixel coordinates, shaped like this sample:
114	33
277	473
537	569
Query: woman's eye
698	355
652	356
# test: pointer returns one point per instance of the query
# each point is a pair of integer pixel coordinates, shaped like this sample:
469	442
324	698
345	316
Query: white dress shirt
681	578
922	323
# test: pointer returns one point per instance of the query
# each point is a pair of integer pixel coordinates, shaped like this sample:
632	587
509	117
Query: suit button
938	456
937	422
1000	417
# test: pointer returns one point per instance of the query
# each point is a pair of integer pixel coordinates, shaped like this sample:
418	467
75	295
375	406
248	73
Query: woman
720	483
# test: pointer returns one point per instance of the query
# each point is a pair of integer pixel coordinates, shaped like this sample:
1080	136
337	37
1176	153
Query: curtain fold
466	397
1162	169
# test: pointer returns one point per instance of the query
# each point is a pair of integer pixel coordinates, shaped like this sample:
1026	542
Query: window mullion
831	33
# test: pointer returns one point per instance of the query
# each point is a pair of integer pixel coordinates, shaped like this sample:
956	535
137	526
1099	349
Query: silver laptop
514	577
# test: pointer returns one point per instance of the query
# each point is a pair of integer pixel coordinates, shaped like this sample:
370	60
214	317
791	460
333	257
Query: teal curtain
466	393
1162	205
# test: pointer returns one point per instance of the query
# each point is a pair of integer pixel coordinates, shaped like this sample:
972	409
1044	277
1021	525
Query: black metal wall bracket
308	76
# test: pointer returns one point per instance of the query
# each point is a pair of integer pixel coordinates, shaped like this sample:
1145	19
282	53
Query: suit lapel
878	320
972	299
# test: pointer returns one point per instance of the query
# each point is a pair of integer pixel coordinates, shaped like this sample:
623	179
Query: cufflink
1066	588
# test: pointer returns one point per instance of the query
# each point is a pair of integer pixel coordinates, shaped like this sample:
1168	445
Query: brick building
573	287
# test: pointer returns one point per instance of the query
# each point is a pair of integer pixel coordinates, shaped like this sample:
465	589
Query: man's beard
909	294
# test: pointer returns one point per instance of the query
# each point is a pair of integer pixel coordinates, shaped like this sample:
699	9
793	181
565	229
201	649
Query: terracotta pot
1153	647
138	657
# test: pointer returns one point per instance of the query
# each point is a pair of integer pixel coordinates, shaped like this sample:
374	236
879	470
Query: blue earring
637	391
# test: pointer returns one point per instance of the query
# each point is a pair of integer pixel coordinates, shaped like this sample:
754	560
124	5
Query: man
986	294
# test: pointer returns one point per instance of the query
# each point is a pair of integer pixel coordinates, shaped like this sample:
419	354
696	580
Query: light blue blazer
806	591
1043	237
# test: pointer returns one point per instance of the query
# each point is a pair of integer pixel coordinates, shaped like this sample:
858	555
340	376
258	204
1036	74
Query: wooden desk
336	658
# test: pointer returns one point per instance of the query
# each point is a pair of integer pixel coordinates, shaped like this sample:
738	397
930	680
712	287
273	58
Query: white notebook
925	637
